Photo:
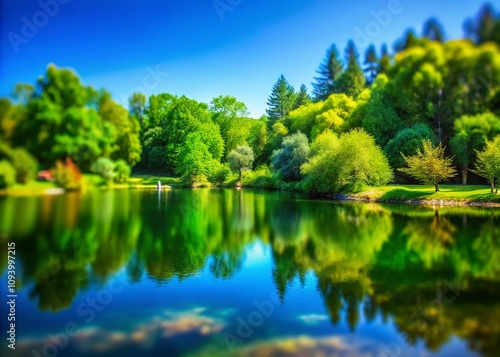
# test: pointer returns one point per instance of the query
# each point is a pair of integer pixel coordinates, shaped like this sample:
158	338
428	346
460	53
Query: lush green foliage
7	174
429	165
24	163
407	142
281	101
471	134
122	171
292	154
104	167
240	159
345	164
488	163
195	163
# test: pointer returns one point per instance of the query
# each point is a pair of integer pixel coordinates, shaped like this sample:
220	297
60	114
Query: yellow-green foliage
314	118
488	163
7	174
429	165
345	164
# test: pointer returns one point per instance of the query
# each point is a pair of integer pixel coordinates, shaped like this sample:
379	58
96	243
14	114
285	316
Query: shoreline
420	202
449	196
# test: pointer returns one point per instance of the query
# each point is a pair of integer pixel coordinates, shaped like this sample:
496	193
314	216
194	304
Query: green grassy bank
425	194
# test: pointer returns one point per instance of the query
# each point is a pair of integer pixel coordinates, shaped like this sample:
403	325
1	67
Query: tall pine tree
281	101
302	97
371	65
352	81
329	70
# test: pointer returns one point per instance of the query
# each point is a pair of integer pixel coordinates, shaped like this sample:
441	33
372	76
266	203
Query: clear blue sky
196	50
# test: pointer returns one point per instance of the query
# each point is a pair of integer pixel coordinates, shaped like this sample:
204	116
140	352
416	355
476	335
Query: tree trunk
493	186
240	175
464	174
436	185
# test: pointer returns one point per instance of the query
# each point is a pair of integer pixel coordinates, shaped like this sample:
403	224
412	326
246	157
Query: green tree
137	109
241	159
281	101
352	81
429	165
433	30
407	141
104	167
122	171
385	59
61	121
127	145
471	134
226	110
186	116
292	154
488	163
381	119
485	27
346	164
7	174
24	163
372	65
302	97
329	70
194	162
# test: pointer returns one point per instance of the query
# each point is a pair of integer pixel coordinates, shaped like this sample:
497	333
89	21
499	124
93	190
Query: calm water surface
249	273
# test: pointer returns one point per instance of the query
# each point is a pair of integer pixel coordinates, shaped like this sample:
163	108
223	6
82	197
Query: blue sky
189	47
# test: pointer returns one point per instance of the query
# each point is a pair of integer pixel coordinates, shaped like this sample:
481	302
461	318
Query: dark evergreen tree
328	71
408	40
485	27
352	81
433	30
281	101
385	59
371	65
302	97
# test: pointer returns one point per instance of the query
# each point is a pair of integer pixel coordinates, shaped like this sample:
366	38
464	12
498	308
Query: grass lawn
459	193
150	181
93	180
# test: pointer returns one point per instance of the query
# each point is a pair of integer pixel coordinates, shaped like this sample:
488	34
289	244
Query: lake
219	272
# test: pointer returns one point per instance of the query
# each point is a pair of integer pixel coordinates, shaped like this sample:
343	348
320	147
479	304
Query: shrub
293	153
240	159
221	175
346	164
488	163
7	174
105	168
122	171
261	177
67	175
25	164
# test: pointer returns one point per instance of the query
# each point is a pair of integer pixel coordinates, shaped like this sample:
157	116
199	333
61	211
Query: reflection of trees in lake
368	259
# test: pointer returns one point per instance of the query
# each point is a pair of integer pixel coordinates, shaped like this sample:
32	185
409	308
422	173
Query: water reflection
397	263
